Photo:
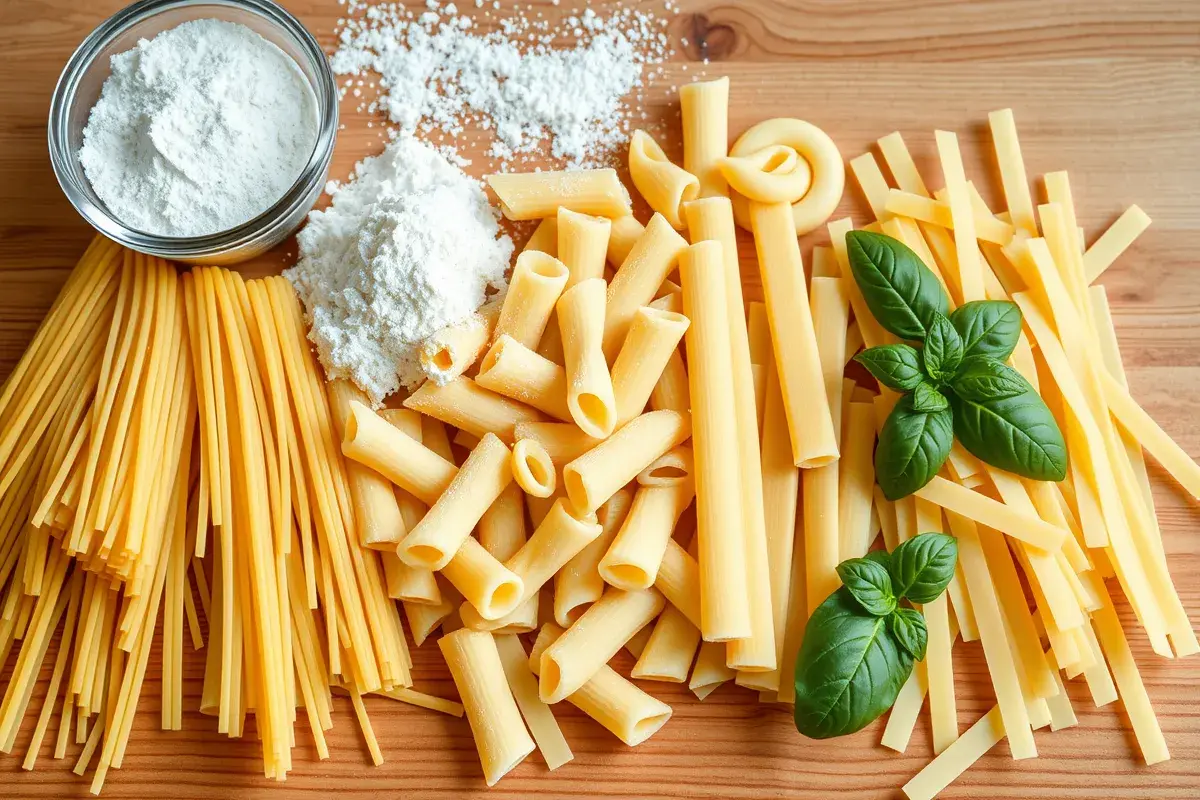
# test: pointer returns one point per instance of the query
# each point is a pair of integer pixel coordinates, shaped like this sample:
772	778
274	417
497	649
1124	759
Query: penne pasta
562	441
593	640
669	469
500	735
451	351
558	539
623	235
491	589
578	583
616	703
536	284
370	440
669	652
590	397
464	404
664	186
582	245
538	716
637	280
513	370
544	237
534	195
671	393
634	556
653	337
437	537
596	475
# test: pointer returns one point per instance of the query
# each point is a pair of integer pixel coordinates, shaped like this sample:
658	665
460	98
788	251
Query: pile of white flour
409	246
530	83
198	130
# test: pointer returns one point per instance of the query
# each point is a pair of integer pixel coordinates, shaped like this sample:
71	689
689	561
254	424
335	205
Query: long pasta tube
448	353
464	404
724	607
535	195
370	440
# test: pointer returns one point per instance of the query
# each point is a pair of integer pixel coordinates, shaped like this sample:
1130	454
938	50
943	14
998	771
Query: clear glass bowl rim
63	159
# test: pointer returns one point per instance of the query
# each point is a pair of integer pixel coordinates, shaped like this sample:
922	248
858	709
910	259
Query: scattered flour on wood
409	245
532	84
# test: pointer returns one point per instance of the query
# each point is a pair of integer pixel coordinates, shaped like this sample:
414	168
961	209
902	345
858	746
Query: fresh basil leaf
901	292
896	366
982	378
928	399
922	567
943	350
880	557
848	671
1016	433
870	584
912	447
988	328
907	626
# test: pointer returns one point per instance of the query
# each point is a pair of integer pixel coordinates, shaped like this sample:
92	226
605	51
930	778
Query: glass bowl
79	87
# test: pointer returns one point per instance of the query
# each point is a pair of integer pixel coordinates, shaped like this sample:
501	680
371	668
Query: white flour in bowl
198	130
408	246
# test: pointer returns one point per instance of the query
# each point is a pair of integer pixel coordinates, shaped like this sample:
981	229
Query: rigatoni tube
705	109
596	475
582	245
594	639
500	735
632	560
511	369
537	281
616	703
370	440
589	385
437	537
638	279
653	336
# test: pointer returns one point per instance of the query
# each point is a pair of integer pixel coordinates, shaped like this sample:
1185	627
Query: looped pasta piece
814	146
665	186
774	174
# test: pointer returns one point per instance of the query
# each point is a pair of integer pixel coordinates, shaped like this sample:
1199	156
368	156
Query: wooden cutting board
1107	89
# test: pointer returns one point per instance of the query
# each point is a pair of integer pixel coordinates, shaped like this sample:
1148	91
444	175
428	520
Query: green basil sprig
860	644
956	384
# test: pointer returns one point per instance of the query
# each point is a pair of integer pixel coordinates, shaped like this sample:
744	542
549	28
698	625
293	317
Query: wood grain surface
1107	89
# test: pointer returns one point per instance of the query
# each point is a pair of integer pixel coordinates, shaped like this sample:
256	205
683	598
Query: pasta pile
169	438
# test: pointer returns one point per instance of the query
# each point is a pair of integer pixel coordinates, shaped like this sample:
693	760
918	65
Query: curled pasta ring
774	174
814	146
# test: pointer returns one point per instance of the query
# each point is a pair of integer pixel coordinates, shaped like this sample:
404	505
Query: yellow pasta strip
1012	170
954	761
987	511
970	270
538	716
1114	241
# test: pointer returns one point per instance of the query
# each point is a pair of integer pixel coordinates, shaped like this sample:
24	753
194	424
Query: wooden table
1107	89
